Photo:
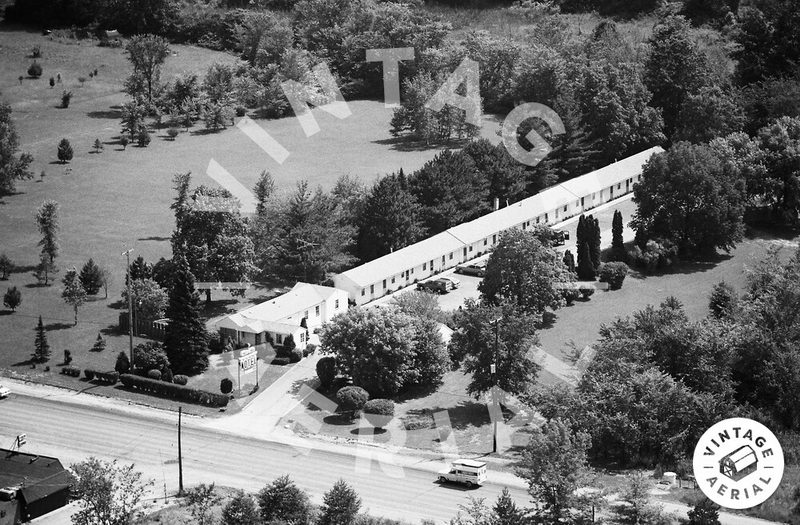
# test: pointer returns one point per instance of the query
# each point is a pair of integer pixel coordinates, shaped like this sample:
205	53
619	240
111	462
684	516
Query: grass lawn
691	283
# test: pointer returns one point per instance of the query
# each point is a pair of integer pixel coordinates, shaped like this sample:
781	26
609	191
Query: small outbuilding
31	486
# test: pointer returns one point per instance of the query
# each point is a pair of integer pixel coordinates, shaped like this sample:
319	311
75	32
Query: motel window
565	208
424	266
336	305
363	292
451	255
384	284
392	279
316	311
431	265
442	259
412	270
470	248
582	201
302	337
494	239
465	252
371	288
485	241
537	220
278	339
546	218
619	185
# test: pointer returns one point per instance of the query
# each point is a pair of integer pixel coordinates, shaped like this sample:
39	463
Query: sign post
247	360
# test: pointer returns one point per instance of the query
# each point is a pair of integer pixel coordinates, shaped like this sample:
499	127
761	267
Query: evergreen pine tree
586	271
123	365
91	277
593	228
580	233
340	505
186	340
41	353
264	189
618	252
99	344
505	510
569	261
13	298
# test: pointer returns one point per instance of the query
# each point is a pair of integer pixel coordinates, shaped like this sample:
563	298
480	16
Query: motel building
296	313
467	241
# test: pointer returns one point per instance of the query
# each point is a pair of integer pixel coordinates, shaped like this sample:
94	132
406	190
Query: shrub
241	111
123	365
296	356
166	375
226	386
586	293
154	374
326	371
723	300
89	374
66	97
280	361
36	52
173	391
379	412
35	70
72	371
172	133
103	377
52	82
180	379
351	399
143	138
67	357
614	274
149	356
64	151
570	295
310	349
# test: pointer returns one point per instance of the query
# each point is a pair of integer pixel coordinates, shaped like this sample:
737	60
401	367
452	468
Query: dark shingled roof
38	476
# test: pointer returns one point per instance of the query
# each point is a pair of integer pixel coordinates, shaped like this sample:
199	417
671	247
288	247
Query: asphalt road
73	433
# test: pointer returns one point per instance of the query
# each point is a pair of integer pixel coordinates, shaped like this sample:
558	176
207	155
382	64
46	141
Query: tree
44	269
675	68
472	346
764	48
525	272
12	298
186	340
554	463
13	166
593	230
691	196
383	350
263	190
704	512
73	293
723	301
420	304
133	114
41	353
505	511
351	400
6	266
149	356
123	364
91	277
99	344
149	299
284	501
47	221
201	499
98	146
504	176
711	112
109	493
146	54
780	185
618	252
326	371
586	270
226	385
635	507
614	274
389	220
314	237
569	261
64	151
340	505
213	237
241	510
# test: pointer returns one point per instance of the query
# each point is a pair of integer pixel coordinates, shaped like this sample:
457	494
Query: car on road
441	285
4	392
477	269
560	238
468	472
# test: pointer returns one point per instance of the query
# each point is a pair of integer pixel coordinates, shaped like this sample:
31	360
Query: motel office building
467	241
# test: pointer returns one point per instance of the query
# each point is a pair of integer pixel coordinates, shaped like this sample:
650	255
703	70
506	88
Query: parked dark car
560	238
477	269
441	285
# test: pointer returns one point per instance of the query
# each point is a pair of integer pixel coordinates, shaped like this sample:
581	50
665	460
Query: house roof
38	476
403	259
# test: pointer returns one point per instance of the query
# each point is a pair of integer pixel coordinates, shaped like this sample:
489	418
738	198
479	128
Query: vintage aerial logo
738	463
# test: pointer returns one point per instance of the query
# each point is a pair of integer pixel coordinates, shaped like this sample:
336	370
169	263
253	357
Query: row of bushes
174	391
354	400
110	378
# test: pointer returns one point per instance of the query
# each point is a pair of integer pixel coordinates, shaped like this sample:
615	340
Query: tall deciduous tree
185	341
709	113
73	293
554	463
41	352
47	221
635	506
525	272
149	299
389	220
692	197
503	174
13	166
147	54
675	68
241	510
472	346
110	493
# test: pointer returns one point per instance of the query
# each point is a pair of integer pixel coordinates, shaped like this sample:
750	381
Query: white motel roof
476	230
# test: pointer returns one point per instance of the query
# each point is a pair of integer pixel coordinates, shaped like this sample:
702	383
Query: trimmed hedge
378	412
280	361
174	391
180	379
154	374
89	374
296	356
72	371
110	378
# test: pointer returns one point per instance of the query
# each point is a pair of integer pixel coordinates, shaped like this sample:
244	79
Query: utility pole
180	454
493	367
127	255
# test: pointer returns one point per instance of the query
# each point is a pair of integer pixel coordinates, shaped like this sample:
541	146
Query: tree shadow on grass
112	330
6	312
26	362
338	419
111	114
58	326
368	431
408	144
39	285
153	238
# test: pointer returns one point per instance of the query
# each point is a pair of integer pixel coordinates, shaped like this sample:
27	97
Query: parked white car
466	471
4	392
